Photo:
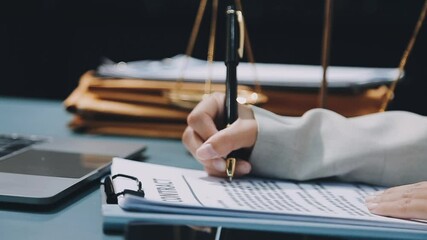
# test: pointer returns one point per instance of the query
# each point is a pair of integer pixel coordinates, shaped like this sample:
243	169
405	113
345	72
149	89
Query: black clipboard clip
111	194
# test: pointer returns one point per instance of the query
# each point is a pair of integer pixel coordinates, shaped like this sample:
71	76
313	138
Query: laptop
43	170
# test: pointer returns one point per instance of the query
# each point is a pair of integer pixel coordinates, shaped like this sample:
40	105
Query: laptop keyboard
13	143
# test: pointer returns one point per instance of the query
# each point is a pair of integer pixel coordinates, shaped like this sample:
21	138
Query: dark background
46	45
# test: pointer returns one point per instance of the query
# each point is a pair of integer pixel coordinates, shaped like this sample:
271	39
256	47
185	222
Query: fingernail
371	206
219	165
206	151
244	168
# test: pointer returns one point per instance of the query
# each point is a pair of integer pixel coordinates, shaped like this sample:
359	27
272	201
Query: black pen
234	51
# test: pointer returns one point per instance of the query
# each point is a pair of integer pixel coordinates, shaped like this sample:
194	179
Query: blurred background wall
46	45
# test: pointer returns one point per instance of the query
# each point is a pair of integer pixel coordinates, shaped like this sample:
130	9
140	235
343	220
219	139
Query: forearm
386	149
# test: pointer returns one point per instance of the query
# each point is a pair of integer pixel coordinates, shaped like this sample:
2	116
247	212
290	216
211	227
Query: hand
407	201
210	145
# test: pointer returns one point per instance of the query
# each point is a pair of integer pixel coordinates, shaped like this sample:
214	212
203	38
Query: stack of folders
153	97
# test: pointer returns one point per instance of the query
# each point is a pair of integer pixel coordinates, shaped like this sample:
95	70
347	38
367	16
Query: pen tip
230	178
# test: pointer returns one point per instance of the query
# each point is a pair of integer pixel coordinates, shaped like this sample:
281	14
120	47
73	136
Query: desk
79	218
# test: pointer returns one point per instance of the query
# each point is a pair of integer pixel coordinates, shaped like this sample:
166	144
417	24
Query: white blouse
388	148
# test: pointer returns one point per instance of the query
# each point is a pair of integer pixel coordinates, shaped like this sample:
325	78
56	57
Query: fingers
214	166
240	134
209	145
202	118
408	201
403	208
201	122
191	140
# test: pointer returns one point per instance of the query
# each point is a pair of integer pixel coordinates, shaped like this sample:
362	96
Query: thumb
240	134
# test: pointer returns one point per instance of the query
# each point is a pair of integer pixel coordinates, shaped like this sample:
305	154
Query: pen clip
241	22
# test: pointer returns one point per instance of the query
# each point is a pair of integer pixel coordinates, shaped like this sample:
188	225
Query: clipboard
115	219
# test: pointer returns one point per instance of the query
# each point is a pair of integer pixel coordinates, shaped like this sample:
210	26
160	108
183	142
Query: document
172	190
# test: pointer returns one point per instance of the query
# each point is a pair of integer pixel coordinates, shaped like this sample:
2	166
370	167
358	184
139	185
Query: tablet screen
51	163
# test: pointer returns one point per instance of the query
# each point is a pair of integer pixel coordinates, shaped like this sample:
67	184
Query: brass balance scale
189	98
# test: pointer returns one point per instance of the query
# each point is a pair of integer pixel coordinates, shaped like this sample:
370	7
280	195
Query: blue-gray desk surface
81	217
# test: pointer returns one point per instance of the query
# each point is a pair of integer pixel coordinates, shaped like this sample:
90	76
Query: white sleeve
388	148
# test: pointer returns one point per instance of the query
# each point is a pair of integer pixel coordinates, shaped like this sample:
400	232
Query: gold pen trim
231	166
